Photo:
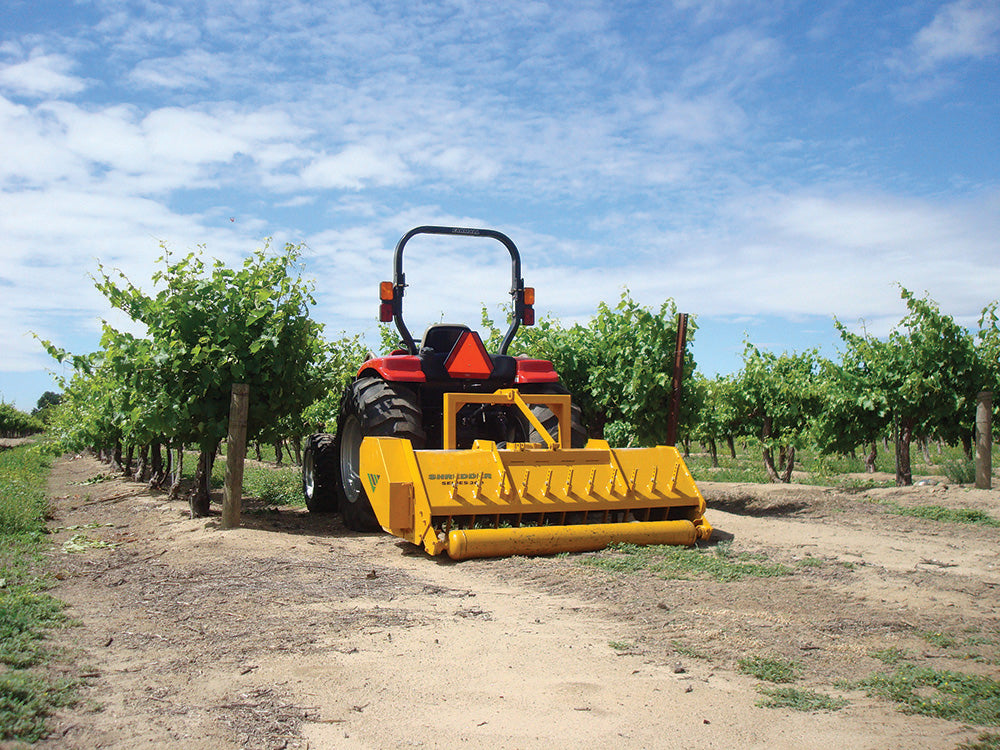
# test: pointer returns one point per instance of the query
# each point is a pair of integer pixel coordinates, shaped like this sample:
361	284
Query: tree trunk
789	464
967	445
201	493
782	457
925	449
871	456
296	446
175	483
769	465
128	466
141	473
765	435
713	452
257	449
156	464
686	442
904	436
277	452
116	457
731	442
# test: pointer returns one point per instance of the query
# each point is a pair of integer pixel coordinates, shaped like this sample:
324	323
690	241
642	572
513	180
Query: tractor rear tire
578	432
376	408
318	462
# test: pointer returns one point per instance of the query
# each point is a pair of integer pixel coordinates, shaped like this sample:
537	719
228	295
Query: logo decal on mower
373	480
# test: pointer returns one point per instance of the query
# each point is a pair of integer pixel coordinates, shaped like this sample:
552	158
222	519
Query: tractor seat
441	338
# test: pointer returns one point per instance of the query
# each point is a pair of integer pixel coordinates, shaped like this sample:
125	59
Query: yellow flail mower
483	455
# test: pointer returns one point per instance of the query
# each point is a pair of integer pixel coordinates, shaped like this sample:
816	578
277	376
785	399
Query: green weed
673	562
890	656
985	741
959	470
26	611
940	693
945	515
271	485
798	699
771	670
26	701
941	640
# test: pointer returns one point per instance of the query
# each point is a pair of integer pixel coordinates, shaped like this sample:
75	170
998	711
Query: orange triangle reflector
469	358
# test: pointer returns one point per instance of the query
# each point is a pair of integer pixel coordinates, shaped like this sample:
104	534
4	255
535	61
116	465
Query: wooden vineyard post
984	441
675	397
236	449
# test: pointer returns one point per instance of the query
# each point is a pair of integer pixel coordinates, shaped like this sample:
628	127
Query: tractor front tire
371	407
318	461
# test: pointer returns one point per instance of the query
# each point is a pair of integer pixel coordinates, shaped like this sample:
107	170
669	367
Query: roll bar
399	280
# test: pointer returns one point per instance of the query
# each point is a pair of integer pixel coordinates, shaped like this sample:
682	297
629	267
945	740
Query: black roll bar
399	279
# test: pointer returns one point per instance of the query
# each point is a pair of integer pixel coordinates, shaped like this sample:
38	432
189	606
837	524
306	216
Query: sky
769	165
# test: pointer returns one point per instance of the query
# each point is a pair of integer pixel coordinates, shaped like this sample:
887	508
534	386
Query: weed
669	561
809	562
940	693
771	670
272	486
985	741
890	656
945	515
798	699
26	611
959	470
26	701
941	640
683	650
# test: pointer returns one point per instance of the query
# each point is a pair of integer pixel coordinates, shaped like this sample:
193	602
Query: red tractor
401	394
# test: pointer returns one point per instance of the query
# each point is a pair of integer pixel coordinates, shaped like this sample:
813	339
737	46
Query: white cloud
193	69
41	75
962	29
960	32
355	167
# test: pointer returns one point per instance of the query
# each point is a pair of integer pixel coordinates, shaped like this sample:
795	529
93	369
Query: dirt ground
292	632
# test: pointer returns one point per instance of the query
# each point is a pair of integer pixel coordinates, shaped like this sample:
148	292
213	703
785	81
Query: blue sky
769	165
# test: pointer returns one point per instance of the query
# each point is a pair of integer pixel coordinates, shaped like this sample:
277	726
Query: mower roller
484	455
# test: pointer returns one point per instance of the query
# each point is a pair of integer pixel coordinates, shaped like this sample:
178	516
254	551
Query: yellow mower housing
527	498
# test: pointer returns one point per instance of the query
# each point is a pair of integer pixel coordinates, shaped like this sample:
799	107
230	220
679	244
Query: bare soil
292	632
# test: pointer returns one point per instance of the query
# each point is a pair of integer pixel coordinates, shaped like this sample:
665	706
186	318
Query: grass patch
273	486
684	650
770	670
26	610
945	515
939	693
941	640
985	741
798	699
890	656
26	702
668	561
280	485
959	470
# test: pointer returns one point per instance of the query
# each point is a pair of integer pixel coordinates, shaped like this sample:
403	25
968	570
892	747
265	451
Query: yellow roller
547	540
527	499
